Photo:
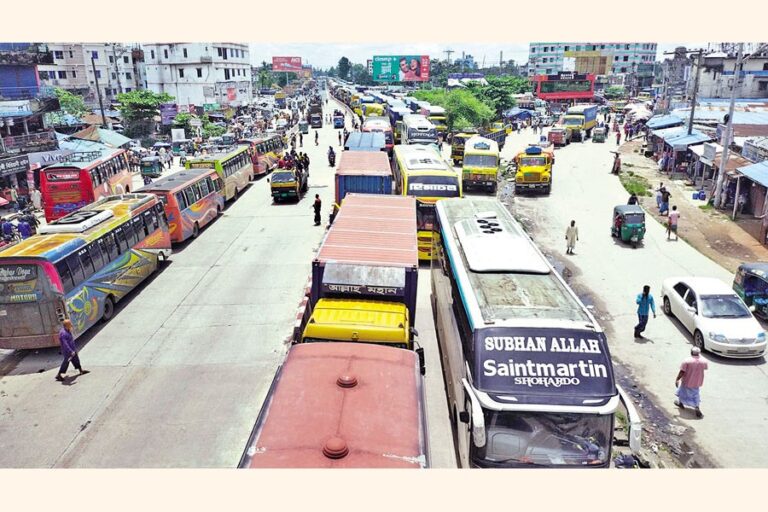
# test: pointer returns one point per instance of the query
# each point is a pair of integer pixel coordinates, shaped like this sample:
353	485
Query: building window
95	55
199	72
128	76
616	58
533	50
126	59
226	74
165	53
218	51
71	54
765	66
111	59
74	73
98	73
62	74
602	47
152	53
546	49
114	76
181	72
224	53
549	71
762	86
185	53
567	48
626	58
58	55
623	70
127	89
43	75
626	47
551	48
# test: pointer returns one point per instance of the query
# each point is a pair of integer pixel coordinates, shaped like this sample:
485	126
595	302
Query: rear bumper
30	342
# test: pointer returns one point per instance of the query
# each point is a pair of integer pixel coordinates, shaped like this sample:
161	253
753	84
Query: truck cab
287	184
534	169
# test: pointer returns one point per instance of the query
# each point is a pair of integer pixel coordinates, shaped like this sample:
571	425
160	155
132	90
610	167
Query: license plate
634	239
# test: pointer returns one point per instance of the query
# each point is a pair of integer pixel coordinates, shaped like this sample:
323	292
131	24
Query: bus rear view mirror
464	417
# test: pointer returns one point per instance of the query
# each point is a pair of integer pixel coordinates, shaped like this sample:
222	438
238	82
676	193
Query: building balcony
24	54
32	143
26	93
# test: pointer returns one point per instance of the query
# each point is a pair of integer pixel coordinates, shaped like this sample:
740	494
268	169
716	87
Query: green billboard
401	68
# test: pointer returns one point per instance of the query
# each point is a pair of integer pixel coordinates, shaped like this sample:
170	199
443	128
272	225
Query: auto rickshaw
628	223
151	166
599	134
751	284
304	127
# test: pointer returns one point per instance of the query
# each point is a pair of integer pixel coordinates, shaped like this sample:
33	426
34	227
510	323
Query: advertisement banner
14	165
288	64
401	68
168	111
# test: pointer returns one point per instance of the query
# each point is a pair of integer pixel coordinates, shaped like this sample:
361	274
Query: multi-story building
467	61
717	74
200	73
116	69
600	59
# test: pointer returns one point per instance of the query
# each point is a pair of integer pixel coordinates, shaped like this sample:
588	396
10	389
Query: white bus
527	368
417	129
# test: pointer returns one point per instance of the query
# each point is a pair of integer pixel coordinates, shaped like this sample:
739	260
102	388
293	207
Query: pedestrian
644	303
25	230
742	202
339	138
37	199
665	195
618	138
14	197
301	140
673	218
571	236
317	138
317	205
689	380
67	342
658	196
633	199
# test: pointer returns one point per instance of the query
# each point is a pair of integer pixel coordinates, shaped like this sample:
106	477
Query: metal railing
42	141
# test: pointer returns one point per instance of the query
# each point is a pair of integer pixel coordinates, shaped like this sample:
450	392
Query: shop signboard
13	165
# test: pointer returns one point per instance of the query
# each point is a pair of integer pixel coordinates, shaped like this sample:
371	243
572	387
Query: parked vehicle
581	119
559	135
365	172
534	169
599	134
751	284
151	166
287	184
715	315
628	223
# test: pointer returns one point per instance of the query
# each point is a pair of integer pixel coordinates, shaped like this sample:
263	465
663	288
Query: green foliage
463	109
344	68
210	129
284	78
614	91
139	108
360	75
71	104
635	183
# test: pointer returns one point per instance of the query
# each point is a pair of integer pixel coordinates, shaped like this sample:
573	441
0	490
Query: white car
718	319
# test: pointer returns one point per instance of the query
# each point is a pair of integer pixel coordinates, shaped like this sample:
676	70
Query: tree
344	67
210	129
614	91
284	78
139	108
462	108
360	75
71	104
182	120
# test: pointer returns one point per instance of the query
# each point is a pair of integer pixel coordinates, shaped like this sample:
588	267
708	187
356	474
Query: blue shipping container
346	184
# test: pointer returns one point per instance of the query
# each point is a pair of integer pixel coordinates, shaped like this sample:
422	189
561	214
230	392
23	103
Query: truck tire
549	189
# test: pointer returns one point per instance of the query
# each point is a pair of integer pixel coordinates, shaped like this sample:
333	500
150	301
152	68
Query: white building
717	74
117	69
199	73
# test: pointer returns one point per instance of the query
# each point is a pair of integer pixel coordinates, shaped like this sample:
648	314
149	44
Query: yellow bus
480	167
78	267
234	166
421	172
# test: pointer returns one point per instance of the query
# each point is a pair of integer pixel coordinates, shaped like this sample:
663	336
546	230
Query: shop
754	177
15	171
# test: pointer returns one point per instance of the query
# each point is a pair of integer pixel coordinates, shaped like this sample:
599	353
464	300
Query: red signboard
289	64
231	94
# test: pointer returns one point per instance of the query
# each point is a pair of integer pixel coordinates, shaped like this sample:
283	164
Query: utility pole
695	91
501	59
98	91
448	55
727	133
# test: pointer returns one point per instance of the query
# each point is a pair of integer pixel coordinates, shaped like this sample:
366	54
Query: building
717	73
634	60
676	71
117	69
200	73
23	103
756	149
467	62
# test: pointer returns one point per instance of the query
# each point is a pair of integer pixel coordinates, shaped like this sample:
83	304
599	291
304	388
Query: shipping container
368	141
366	172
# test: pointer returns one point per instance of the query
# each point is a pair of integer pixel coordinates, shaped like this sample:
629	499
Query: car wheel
667	307
698	340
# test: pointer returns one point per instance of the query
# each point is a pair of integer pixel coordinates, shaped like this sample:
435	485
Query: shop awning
681	142
665	121
669	132
756	172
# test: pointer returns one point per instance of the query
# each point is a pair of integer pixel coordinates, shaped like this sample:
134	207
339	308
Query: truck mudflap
634	421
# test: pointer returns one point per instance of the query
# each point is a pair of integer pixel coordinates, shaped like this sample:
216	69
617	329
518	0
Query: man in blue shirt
67	342
644	303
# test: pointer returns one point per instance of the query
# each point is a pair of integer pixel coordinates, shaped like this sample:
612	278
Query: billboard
401	68
168	112
288	64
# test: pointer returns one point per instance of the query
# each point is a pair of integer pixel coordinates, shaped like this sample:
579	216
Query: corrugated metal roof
718	114
665	121
365	163
756	172
696	137
734	161
669	132
373	230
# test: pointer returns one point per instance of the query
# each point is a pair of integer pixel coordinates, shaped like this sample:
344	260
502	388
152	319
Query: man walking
665	195
644	303
571	235
317	205
673	217
689	380
67	342
301	140
37	199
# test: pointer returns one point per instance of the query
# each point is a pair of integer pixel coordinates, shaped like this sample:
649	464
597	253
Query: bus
418	130
78	267
380	124
528	373
421	172
192	199
83	177
234	165
480	164
265	151
342	405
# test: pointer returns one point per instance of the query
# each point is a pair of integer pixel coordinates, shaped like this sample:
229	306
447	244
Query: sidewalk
710	231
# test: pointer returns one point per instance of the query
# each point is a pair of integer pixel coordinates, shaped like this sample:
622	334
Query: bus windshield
433	186
547	439
425	217
533	161
480	161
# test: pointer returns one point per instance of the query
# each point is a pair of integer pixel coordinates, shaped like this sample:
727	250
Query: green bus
233	165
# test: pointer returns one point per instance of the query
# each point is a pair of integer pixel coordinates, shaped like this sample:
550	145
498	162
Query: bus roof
503	278
342	405
417	121
373	229
364	163
377	122
64	235
357	141
221	154
175	181
85	153
415	158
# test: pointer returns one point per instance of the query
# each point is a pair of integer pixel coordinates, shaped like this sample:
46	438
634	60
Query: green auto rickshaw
751	284
304	127
599	134
628	223
151	166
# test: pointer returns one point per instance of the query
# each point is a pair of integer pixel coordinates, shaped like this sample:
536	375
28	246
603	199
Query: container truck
581	119
365	172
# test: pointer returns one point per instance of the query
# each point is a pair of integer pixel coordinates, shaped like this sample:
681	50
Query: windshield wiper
514	459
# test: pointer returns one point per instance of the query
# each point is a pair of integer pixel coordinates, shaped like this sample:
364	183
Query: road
611	274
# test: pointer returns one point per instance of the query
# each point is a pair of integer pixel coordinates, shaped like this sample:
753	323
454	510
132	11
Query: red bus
342	405
192	198
265	152
82	179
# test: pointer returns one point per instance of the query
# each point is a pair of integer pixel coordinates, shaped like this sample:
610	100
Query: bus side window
204	187
86	262
76	269
122	242
138	229
182	200
65	275
159	217
130	234
197	191
147	219
216	181
97	257
111	246
190	195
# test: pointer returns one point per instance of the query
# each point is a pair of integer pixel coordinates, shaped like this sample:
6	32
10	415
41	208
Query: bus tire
109	309
218	210
195	230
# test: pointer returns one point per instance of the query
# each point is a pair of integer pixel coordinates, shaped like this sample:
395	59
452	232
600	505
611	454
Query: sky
325	55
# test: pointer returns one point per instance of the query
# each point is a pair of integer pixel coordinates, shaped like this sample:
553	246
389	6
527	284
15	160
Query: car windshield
480	161
548	439
723	306
572	121
282	177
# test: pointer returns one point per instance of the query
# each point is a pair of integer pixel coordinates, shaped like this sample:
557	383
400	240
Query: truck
559	135
581	119
366	172
288	184
365	141
534	169
497	133
365	275
315	113
436	115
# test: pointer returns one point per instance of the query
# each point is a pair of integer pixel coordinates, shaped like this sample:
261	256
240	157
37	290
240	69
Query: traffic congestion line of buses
527	369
